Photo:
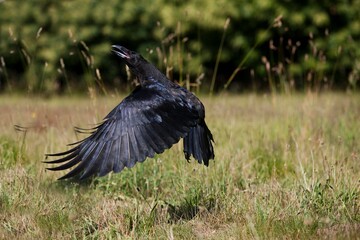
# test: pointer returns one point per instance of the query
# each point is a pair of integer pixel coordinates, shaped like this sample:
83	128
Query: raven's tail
198	143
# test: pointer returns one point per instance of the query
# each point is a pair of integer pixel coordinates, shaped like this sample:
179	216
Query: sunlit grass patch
285	166
10	152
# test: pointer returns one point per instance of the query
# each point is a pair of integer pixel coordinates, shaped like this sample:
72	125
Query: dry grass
286	167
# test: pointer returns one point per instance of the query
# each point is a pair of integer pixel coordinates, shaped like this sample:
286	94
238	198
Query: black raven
156	115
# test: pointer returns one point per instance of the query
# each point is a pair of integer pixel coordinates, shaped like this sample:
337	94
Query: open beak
120	51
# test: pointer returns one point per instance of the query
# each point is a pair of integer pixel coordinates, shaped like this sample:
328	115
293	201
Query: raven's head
138	65
131	58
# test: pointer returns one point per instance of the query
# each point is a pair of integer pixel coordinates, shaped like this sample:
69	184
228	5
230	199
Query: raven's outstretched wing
148	121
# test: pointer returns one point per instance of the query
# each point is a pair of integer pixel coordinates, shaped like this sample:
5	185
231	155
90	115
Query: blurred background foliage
260	45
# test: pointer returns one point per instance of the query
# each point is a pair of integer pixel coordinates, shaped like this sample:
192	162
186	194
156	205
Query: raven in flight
155	116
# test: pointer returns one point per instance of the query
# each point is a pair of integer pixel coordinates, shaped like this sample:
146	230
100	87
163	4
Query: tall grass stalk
63	72
4	73
179	49
275	23
226	25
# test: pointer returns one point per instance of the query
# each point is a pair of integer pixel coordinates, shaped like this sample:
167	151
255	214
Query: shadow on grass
73	184
190	207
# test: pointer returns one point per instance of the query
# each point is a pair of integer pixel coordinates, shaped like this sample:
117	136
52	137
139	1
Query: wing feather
118	164
148	121
91	166
107	165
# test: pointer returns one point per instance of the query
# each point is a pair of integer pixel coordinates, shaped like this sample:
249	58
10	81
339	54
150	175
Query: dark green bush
61	45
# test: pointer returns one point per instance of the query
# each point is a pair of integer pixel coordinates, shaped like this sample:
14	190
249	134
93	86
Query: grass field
286	167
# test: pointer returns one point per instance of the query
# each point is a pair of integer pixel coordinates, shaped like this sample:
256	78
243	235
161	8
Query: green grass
286	167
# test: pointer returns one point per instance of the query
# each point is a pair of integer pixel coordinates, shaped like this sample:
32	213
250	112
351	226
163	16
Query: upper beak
120	51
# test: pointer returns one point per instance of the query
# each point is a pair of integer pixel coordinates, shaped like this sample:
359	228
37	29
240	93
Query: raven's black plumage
156	115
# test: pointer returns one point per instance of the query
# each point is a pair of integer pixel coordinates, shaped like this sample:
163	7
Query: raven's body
156	115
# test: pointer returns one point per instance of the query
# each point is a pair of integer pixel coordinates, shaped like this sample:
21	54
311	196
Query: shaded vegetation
63	46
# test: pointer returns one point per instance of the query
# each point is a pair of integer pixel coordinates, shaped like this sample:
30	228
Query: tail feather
198	143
